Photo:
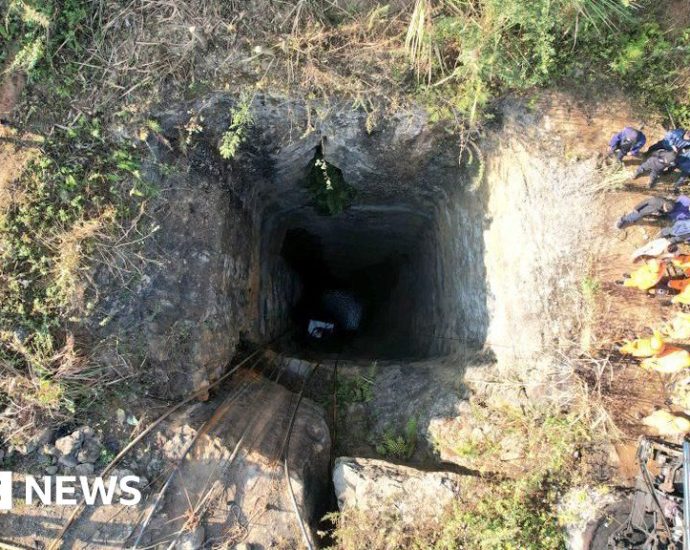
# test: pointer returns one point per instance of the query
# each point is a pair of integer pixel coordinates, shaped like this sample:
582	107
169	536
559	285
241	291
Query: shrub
468	52
235	135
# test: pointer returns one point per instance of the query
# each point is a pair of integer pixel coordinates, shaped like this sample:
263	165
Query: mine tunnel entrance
375	281
391	270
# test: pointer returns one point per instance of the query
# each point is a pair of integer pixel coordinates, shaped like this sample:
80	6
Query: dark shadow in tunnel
303	253
370	286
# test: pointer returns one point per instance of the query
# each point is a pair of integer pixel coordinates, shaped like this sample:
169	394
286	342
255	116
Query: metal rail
54	545
305	534
216	417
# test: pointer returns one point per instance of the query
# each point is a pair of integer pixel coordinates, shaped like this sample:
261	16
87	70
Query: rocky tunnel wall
413	230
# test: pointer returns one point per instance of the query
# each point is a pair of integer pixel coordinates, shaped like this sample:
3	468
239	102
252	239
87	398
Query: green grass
467	54
75	196
521	512
44	34
454	57
650	62
517	514
590	288
106	457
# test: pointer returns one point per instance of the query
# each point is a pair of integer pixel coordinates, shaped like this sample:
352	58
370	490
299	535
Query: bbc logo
5	490
61	490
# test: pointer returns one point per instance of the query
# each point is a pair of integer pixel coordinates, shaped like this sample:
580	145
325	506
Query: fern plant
399	445
235	135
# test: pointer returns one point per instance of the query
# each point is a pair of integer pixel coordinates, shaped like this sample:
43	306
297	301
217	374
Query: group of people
673	151
663	271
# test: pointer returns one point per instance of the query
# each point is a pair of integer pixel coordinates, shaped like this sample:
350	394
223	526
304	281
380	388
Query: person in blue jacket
656	164
628	140
674	140
683	164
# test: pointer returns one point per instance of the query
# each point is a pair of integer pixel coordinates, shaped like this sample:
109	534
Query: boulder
381	487
68	461
90	451
70	444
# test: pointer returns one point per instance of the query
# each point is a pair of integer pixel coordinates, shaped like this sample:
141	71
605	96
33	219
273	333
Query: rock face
379	487
392	399
193	301
530	244
216	272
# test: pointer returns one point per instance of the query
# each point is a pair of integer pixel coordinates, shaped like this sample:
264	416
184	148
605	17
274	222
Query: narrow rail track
55	544
253	431
305	533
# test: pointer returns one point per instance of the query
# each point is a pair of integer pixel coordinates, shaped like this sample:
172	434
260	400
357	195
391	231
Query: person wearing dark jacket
683	164
674	140
656	164
628	140
677	209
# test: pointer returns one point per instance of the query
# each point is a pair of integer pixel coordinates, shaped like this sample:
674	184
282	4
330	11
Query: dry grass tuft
46	394
143	46
69	255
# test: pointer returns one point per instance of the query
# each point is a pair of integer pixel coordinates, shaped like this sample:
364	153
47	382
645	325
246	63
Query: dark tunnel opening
351	300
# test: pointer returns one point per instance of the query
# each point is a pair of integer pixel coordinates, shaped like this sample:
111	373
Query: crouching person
627	141
678	233
658	162
674	140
